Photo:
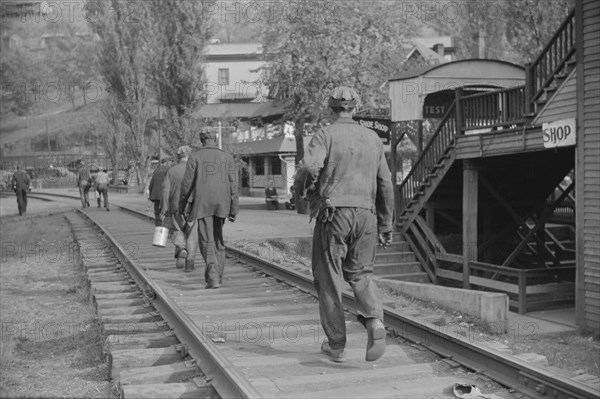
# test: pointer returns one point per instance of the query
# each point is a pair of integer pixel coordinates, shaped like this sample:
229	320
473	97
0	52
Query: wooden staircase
398	262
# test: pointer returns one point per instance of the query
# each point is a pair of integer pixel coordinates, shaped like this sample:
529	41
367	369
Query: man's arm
233	187
384	201
166	189
311	164
188	182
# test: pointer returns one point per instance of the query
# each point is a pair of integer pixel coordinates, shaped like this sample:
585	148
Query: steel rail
228	381
508	370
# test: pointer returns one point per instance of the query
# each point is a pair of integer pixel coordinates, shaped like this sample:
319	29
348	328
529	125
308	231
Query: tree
114	138
181	30
124	43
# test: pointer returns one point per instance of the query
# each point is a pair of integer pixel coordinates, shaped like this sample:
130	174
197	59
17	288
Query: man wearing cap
169	204
84	182
210	176
155	188
345	176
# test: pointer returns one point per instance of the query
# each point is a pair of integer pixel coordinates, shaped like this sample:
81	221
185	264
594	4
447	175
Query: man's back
156	182
211	172
20	180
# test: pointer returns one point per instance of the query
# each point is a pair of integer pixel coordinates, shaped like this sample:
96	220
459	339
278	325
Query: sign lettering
380	126
560	133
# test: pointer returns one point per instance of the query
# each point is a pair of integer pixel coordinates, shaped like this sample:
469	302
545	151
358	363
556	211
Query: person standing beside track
345	176
155	188
84	181
169	204
210	176
20	183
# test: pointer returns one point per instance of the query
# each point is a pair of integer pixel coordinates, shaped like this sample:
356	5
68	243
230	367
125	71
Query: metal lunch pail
160	236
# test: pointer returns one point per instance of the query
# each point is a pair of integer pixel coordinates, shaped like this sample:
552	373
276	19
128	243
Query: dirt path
50	342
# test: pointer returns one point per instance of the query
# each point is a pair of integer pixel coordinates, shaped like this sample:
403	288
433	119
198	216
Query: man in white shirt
102	181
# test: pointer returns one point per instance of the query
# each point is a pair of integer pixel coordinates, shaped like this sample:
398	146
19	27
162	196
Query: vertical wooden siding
588	165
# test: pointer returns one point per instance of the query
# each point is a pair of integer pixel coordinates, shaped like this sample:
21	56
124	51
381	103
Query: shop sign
560	133
380	126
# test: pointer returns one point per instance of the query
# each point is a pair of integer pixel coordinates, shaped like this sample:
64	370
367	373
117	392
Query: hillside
58	125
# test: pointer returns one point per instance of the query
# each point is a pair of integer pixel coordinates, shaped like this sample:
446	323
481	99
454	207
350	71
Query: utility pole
220	137
48	136
159	134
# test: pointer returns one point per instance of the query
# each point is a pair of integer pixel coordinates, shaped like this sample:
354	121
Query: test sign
559	133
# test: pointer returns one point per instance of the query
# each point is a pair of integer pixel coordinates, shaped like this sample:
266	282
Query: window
223	76
259	166
275	165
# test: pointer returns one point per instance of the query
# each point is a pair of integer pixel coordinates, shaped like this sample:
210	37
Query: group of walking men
193	199
87	179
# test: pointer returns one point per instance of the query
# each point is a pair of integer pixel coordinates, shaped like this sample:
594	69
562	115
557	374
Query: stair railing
540	73
437	146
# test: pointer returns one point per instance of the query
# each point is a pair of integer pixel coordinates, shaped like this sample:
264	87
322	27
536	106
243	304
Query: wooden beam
470	217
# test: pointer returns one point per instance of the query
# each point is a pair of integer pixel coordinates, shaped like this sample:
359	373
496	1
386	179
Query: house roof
428	54
271	108
227	110
228	49
468	63
277	145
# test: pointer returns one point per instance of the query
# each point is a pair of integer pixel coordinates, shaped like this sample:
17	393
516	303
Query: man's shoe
376	339
336	355
212	285
107	210
188	269
180	263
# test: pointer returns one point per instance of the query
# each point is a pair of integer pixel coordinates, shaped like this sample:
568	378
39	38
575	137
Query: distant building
430	51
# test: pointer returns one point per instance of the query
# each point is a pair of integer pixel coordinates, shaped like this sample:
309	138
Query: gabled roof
233	50
468	63
428	54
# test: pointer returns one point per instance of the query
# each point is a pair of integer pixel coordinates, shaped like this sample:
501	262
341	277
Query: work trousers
209	234
344	248
84	190
157	221
21	199
102	190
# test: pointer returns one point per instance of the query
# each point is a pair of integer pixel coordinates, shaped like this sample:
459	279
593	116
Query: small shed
410	90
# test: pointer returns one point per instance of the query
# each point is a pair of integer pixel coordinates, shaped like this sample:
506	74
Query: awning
227	110
269	109
274	146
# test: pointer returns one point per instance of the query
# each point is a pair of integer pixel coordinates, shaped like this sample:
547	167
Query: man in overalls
345	176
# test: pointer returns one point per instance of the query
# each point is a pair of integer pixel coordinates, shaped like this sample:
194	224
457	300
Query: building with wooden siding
505	196
587	171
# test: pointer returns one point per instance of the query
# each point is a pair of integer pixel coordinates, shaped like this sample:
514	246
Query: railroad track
257	336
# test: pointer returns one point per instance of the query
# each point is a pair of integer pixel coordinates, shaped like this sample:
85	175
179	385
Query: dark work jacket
156	183
211	176
20	180
346	162
84	176
172	188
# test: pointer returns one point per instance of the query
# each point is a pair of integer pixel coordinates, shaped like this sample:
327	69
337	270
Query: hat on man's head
208	133
343	97
165	159
184	151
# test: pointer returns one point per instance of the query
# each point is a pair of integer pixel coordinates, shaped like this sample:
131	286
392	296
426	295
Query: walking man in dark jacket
210	176
20	184
345	175
84	182
155	188
169	205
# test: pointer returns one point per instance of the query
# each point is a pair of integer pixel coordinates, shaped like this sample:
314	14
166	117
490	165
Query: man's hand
385	239
231	218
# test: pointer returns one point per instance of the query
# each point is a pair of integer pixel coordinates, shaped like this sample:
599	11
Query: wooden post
470	205
458	110
487	232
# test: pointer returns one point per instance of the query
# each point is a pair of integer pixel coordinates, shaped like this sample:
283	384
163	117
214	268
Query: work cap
184	151
343	97
165	159
208	134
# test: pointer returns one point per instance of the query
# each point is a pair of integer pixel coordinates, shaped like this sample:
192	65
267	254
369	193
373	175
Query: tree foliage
325	44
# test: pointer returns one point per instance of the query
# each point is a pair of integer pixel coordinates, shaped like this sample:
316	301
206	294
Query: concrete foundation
490	307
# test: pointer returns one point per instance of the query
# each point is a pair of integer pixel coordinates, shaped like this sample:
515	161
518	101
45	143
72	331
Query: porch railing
493	109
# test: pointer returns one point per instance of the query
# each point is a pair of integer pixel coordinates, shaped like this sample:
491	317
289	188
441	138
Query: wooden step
397	245
412	277
388	269
390	257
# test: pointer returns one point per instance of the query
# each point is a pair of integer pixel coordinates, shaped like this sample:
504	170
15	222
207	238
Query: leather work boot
336	355
376	339
180	264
